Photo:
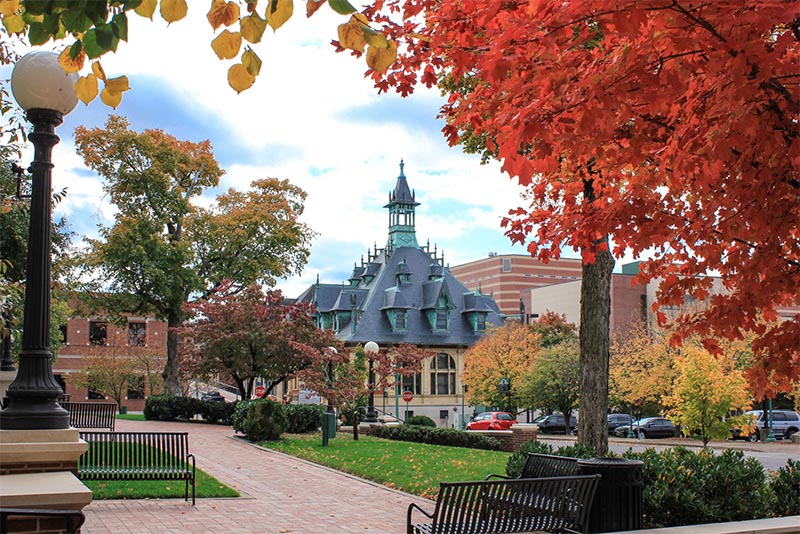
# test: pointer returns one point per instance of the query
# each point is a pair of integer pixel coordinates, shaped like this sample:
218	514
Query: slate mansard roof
409	279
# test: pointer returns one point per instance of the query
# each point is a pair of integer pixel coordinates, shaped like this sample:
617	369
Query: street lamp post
45	92
504	388
463	395
371	348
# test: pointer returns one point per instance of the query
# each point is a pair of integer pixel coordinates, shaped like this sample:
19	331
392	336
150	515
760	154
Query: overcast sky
311	118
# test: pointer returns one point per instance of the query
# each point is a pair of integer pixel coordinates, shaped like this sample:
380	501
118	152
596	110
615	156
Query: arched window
443	375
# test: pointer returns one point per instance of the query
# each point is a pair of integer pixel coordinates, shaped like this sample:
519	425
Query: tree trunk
172	385
595	341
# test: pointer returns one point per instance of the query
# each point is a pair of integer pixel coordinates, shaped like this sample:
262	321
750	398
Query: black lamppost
45	92
504	388
371	348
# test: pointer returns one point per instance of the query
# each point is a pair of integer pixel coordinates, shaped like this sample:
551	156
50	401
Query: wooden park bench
91	414
68	521
544	466
138	456
555	504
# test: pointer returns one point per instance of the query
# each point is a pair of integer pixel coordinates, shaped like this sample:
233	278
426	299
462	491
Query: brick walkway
280	494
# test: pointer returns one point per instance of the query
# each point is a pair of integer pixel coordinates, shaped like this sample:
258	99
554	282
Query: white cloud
312	118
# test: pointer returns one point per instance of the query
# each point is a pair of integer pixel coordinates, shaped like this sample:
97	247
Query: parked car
648	427
215	396
617	419
784	424
491	421
554	423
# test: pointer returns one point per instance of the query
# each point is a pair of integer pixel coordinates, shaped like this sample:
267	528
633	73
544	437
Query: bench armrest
408	515
194	466
494	475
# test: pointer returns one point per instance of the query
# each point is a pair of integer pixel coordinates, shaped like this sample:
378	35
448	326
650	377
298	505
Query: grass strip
131	416
415	468
206	485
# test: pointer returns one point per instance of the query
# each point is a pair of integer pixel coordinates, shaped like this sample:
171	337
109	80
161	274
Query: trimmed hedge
302	418
421	420
785	485
436	436
173	408
683	487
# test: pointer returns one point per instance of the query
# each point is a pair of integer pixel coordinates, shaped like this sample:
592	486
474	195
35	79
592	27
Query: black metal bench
91	414
138	456
555	504
69	521
545	466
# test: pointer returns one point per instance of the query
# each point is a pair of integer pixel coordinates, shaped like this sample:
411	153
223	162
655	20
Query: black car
648	427
214	396
554	423
617	419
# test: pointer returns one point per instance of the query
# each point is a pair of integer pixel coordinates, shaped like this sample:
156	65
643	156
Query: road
772	456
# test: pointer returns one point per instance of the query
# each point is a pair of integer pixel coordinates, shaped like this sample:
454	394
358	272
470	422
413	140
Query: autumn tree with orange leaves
667	126
508	351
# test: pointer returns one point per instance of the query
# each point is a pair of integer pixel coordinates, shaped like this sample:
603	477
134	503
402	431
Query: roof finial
402	175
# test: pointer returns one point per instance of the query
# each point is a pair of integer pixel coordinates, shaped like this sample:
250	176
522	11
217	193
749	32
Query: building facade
140	341
403	293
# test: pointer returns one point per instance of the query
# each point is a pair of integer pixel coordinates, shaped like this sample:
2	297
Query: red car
492	421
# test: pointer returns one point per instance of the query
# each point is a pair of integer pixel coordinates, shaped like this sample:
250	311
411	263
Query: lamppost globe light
371	347
39	82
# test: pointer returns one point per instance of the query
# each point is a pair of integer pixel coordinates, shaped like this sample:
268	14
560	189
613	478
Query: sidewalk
785	446
280	494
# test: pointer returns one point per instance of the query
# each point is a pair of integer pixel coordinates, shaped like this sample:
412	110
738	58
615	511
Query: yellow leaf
86	88
111	98
13	23
374	38
223	13
71	65
98	71
252	27
239	79
351	36
118	85
278	12
146	8
380	59
251	62
8	7
173	10
227	44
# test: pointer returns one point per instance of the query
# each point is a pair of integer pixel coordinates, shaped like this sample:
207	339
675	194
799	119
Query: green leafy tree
161	248
14	223
706	390
554	382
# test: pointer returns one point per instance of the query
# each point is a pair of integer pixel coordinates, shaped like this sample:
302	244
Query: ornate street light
371	348
45	92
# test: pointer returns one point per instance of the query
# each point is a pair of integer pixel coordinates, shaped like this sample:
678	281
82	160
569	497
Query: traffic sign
407	396
260	391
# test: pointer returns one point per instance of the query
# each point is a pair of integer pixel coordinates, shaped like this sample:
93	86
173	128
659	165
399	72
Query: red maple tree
681	117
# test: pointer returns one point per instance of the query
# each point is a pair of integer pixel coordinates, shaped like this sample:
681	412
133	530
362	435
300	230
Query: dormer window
400	320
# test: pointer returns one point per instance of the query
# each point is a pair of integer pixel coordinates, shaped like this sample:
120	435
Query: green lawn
207	486
412	467
131	416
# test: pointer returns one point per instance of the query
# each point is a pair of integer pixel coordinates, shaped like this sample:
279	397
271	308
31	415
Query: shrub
436	436
421	420
218	412
785	485
265	421
682	487
158	408
303	418
239	413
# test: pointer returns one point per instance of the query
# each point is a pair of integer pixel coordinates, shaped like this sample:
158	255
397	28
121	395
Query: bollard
618	503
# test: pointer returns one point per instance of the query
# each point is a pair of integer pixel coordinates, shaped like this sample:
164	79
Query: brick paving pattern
279	494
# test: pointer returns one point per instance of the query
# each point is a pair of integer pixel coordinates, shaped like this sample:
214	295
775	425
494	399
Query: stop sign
260	391
407	396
